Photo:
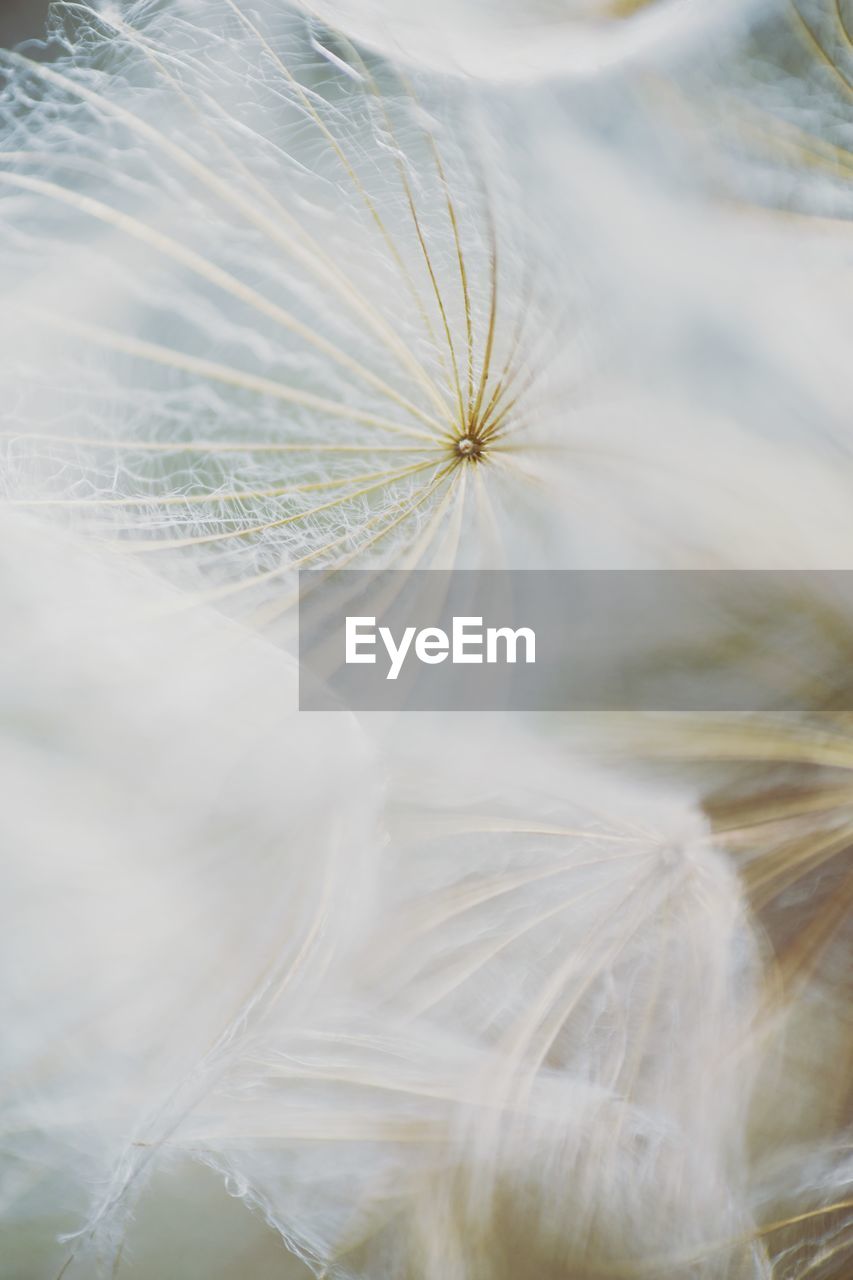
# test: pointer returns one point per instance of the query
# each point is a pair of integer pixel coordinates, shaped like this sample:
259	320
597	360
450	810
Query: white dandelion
273	301
550	1053
272	305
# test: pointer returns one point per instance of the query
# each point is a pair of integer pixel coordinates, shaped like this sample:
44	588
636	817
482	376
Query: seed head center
469	446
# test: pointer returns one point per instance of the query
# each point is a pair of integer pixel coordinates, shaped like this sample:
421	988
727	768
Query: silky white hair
274	305
172	871
515	40
287	287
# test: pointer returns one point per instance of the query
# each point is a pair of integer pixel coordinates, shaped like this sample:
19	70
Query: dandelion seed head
263	287
469	446
271	298
500	1037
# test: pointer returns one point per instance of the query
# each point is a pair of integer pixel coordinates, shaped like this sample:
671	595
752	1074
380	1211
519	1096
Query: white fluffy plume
287	285
526	39
525	1032
172	873
272	304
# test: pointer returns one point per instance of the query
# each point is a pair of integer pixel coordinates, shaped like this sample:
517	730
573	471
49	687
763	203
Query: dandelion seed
490	1093
415	348
256	277
277	300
